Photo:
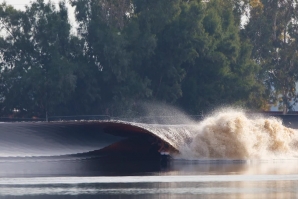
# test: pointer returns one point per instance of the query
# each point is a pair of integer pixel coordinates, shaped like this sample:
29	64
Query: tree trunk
284	112
285	103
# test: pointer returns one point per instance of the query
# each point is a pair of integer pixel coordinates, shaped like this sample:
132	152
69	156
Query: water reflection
121	166
94	178
264	189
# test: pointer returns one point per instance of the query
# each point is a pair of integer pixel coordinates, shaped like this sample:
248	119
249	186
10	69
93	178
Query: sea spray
232	134
229	134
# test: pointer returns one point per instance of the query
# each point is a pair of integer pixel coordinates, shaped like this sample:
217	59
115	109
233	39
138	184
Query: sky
20	4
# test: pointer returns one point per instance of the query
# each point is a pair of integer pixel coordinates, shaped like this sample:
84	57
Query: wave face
35	139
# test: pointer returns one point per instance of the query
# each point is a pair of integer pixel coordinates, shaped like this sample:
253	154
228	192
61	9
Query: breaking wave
232	134
227	134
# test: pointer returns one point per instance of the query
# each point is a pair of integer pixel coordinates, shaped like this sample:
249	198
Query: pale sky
20	4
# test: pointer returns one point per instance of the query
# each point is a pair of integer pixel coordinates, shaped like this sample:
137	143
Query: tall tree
104	30
272	28
160	59
223	72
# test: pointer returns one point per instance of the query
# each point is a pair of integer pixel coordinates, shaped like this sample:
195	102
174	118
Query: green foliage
187	53
223	73
162	64
37	61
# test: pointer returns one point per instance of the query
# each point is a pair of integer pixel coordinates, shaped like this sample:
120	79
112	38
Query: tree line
193	54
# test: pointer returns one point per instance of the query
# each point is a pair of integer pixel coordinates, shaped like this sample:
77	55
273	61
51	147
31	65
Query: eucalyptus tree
162	55
102	26
272	28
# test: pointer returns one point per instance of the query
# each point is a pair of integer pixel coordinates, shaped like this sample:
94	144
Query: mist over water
158	113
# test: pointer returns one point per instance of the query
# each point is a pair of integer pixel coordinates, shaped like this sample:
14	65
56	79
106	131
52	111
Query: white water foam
230	134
